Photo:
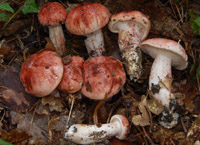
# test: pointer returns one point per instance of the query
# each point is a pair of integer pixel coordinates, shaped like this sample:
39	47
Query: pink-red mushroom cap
85	19
139	19
103	77
52	13
41	73
169	48
124	126
72	79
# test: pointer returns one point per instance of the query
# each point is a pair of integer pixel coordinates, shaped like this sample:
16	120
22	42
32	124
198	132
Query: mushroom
166	53
72	79
51	15
88	20
87	134
103	76
133	27
41	73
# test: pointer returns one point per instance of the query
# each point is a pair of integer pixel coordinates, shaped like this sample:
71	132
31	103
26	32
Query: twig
146	134
4	112
70	112
5	25
183	125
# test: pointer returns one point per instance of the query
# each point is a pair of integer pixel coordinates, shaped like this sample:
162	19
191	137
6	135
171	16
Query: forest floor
25	119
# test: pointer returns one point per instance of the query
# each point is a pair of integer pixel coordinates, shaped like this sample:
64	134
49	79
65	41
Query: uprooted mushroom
166	53
87	134
133	27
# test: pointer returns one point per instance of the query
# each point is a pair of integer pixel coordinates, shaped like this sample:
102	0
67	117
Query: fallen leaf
33	124
194	130
12	91
154	106
143	119
58	123
54	103
14	136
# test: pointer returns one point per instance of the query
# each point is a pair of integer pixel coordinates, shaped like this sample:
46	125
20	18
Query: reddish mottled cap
103	77
52	13
124	125
133	16
85	19
41	73
72	79
167	47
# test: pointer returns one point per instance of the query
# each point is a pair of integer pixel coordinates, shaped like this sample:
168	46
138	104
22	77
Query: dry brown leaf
194	130
41	109
143	119
154	106
33	124
4	48
12	91
14	136
49	45
58	123
55	103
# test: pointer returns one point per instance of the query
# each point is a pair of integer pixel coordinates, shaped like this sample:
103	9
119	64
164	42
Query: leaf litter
29	120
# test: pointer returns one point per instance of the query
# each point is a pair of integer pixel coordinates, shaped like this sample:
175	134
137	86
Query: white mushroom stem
87	134
130	36
95	43
161	76
56	35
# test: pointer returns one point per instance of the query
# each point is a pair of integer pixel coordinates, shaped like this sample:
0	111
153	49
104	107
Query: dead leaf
14	136
143	119
58	123
16	26
154	106
49	45
33	124
55	103
13	93
194	130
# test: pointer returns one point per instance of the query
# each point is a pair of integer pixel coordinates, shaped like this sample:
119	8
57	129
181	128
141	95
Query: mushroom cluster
101	77
45	71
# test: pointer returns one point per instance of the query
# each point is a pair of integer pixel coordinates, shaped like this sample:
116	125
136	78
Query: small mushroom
51	15
166	53
88	20
41	73
103	76
87	134
133	27
72	79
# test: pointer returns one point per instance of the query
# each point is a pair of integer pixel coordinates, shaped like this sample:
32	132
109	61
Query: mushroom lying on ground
133	27
72	79
51	15
166	53
41	73
87	134
103	76
88	20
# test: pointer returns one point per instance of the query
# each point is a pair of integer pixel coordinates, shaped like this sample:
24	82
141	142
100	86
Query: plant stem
5	25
